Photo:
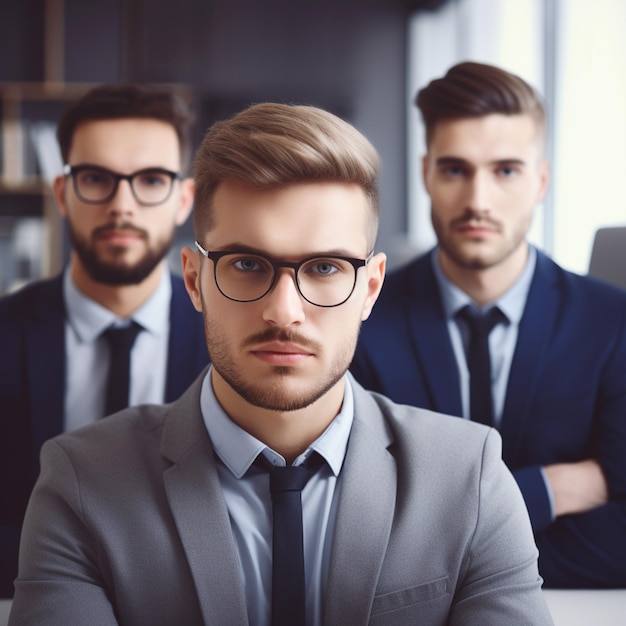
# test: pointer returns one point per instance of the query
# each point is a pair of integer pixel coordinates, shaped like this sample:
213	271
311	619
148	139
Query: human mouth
119	235
281	353
476	228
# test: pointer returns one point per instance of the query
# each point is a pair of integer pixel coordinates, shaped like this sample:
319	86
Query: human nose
284	306
123	201
479	192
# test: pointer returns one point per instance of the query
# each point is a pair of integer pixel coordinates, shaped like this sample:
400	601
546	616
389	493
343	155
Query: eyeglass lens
149	187
324	281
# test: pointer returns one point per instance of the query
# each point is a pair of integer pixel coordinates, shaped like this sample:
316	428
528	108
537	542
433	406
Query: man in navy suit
557	354
122	193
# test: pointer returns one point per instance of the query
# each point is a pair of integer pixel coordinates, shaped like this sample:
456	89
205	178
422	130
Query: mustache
475	216
278	334
117	226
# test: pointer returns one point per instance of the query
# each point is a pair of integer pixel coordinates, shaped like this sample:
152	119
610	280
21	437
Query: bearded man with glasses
123	191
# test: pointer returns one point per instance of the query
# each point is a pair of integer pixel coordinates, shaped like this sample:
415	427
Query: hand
577	487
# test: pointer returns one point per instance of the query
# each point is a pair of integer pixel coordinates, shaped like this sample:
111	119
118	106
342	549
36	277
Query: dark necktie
288	591
120	341
479	361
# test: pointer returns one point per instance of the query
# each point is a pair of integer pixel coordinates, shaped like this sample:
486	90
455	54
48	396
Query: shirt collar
511	303
238	449
89	319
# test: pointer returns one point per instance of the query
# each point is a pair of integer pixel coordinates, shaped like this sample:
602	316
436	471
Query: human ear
58	187
375	277
544	179
190	260
188	188
425	172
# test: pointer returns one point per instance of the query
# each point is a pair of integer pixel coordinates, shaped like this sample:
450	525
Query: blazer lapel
200	514
364	517
431	340
536	328
45	363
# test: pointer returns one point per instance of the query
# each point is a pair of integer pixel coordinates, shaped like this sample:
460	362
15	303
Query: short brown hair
474	90
268	145
110	102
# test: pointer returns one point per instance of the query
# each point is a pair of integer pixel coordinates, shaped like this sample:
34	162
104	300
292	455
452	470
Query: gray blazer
127	524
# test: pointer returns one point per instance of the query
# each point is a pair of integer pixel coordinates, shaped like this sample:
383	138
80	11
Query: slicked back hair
269	145
474	90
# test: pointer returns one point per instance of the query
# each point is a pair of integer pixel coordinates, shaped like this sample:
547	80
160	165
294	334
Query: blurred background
361	59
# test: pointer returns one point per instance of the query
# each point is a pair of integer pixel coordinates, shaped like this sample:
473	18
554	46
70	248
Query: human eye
152	179
507	170
94	178
453	170
250	264
324	267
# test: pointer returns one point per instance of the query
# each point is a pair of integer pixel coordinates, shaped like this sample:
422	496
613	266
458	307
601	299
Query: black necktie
120	341
479	361
288	591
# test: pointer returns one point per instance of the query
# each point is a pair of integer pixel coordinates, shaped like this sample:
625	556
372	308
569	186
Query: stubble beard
475	260
273	394
116	272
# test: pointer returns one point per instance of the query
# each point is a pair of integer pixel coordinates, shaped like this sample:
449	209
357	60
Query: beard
273	394
116	272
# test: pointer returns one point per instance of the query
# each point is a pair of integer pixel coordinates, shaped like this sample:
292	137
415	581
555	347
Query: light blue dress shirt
87	353
246	491
502	339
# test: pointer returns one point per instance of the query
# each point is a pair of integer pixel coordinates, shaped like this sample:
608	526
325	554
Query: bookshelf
29	114
31	234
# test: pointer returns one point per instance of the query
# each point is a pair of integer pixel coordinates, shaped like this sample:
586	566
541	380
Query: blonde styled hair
269	145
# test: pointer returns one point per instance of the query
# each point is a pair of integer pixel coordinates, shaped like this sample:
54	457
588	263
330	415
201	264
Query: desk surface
5	607
574	607
568	607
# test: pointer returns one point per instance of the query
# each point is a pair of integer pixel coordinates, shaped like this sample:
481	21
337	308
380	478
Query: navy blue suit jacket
32	387
565	400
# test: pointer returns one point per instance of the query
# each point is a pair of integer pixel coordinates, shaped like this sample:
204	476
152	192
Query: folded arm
577	487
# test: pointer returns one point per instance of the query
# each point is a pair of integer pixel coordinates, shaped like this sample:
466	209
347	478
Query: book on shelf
29	153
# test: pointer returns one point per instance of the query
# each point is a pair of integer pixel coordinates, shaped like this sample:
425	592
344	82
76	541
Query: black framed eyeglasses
98	185
325	281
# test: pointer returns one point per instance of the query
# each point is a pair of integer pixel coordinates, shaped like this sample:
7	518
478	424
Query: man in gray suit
163	514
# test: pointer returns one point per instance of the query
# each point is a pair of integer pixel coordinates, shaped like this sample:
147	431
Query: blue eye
250	264
323	268
247	265
453	171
